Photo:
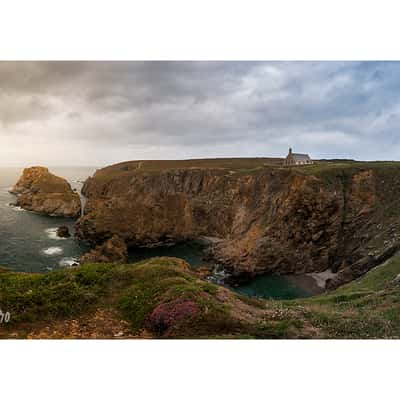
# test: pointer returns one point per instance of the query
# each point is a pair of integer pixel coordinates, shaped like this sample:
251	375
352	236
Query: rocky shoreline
266	220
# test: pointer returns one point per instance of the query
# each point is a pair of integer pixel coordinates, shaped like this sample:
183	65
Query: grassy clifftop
325	169
236	165
149	167
161	297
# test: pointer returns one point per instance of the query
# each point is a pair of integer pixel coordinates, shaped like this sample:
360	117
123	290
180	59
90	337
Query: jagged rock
63	231
273	220
40	191
317	236
204	271
113	250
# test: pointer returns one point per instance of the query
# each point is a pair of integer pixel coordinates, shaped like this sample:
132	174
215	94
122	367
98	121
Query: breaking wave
53	251
15	208
68	262
52	234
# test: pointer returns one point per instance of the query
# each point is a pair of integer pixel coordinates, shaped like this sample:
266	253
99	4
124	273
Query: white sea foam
53	251
68	262
218	275
15	208
52	234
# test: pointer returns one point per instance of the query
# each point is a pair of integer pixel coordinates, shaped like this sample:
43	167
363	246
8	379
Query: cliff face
40	191
270	219
112	250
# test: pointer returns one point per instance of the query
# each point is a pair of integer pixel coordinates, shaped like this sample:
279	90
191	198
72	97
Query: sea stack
41	191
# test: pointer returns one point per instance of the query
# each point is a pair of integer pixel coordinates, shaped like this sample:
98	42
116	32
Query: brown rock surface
271	219
43	192
112	250
63	231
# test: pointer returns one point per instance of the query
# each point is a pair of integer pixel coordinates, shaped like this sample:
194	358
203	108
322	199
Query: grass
366	308
157	283
325	169
284	329
242	166
134	290
44	297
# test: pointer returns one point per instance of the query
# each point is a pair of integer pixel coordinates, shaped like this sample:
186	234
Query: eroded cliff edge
343	217
41	191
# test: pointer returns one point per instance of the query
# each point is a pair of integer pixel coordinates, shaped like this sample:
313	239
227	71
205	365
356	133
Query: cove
28	243
280	287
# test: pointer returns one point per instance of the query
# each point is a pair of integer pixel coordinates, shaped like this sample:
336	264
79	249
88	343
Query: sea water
29	242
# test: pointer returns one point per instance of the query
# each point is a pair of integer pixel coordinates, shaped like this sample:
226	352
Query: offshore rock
45	193
63	231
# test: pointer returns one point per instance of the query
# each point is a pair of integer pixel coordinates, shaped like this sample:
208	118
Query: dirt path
102	324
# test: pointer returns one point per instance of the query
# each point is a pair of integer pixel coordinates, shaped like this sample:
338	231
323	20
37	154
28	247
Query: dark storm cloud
122	110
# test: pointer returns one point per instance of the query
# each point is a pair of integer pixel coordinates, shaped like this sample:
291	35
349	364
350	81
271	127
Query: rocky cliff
338	216
112	250
40	191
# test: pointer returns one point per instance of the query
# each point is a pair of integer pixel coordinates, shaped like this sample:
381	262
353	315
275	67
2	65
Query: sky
100	113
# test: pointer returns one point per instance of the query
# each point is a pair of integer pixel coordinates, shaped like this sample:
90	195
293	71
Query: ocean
28	241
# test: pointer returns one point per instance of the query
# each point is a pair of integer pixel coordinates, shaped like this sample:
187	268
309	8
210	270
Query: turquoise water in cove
272	287
191	252
268	287
28	241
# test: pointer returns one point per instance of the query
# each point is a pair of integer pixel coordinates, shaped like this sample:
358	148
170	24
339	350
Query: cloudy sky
97	113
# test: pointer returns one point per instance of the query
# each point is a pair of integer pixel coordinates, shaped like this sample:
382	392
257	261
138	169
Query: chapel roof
300	157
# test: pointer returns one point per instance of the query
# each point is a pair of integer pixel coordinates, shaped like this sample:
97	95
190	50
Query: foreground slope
341	216
162	297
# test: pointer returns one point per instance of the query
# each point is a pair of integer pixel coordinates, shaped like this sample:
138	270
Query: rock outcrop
270	219
113	250
43	192
63	232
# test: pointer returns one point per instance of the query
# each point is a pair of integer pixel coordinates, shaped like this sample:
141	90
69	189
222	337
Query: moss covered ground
326	169
163	297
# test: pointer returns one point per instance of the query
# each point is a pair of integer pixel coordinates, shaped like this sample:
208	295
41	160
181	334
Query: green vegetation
43	297
164	297
325	169
233	165
158	282
236	165
366	308
132	289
